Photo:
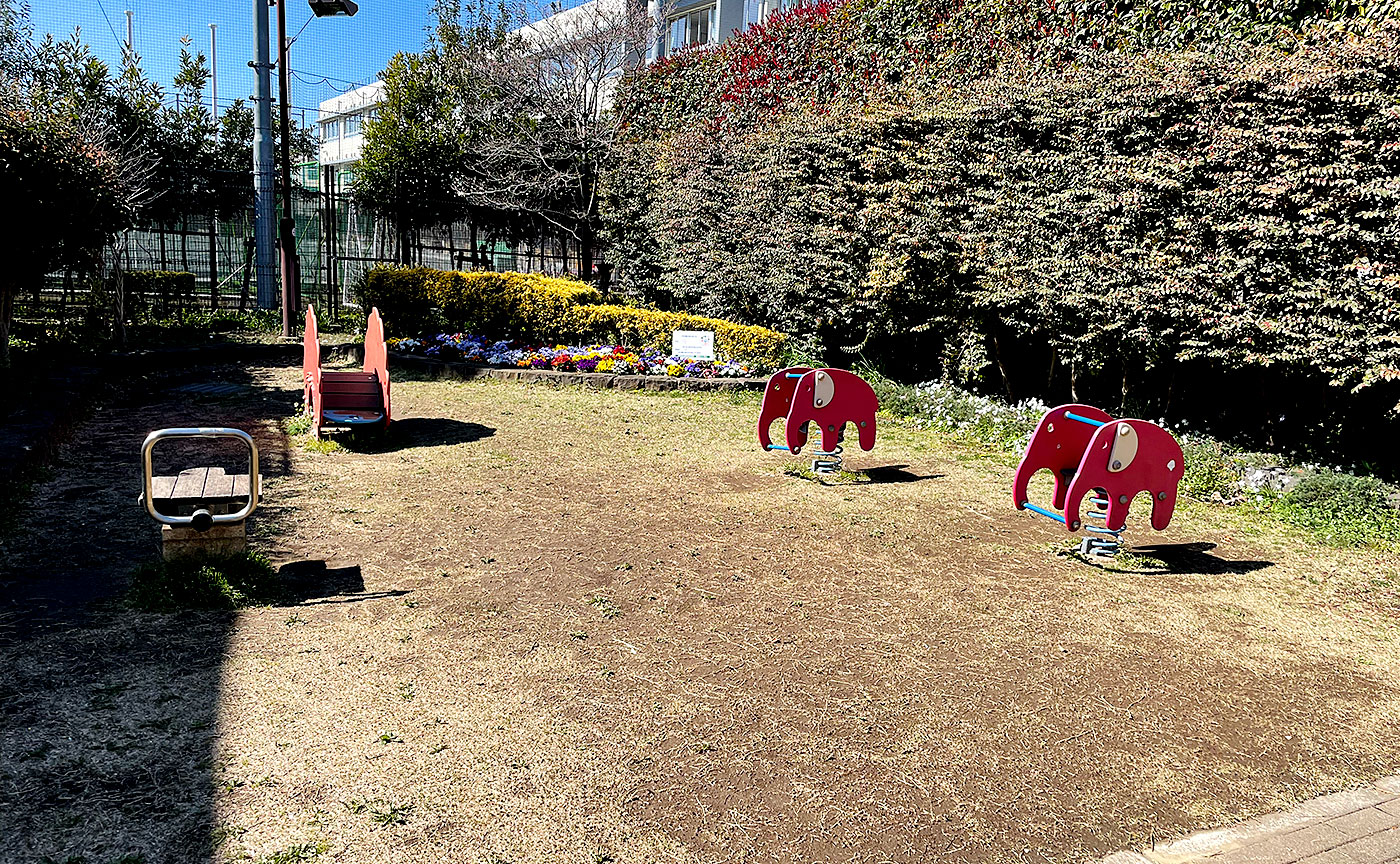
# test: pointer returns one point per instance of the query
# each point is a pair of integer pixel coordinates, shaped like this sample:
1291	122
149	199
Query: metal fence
337	241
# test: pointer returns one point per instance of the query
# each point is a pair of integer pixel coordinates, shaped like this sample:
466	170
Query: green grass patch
836	478
1208	468
299	852
204	582
1342	510
298	425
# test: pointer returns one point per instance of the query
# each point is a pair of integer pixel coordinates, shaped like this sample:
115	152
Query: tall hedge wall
1200	230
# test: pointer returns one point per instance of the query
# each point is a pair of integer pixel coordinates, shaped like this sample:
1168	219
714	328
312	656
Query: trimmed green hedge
1210	232
145	286
419	301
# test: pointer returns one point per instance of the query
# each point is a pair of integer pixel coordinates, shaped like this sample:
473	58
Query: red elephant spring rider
830	398
1091	454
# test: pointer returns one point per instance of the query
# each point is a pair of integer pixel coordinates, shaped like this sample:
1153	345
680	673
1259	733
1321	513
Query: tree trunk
119	301
585	254
247	274
474	263
1073	381
1006	381
7	311
213	262
402	239
605	280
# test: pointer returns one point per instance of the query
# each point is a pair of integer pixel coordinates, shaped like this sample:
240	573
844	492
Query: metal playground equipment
830	398
343	398
196	507
1109	461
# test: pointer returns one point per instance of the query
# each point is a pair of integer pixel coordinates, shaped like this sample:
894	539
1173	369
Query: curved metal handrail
199	432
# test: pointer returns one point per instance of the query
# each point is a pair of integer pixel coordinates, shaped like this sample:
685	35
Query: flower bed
609	359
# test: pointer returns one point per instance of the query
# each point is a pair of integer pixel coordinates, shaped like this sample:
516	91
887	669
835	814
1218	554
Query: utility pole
130	32
214	76
264	190
263	167
287	236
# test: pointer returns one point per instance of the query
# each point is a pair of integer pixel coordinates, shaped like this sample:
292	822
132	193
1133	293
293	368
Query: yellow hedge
530	307
651	328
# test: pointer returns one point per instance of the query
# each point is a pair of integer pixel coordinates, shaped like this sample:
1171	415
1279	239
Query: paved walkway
1357	827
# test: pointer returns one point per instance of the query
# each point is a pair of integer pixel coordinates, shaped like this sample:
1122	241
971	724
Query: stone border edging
466	371
1361	819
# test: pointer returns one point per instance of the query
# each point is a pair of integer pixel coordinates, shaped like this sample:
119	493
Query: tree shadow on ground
896	474
108	716
413	432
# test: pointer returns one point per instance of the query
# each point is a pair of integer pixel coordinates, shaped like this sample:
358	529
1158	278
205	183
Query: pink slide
351	399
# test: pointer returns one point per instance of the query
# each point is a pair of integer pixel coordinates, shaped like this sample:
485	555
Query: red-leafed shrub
1211	231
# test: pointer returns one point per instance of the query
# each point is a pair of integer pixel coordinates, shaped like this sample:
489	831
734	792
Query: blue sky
331	52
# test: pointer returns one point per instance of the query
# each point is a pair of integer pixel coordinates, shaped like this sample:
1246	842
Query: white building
341	126
688	23
680	24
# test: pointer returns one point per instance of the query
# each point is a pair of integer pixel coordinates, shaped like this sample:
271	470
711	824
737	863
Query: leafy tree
64	152
502	120
1076	212
73	196
411	163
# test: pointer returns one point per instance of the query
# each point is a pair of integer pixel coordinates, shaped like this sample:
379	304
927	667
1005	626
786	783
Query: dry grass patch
600	625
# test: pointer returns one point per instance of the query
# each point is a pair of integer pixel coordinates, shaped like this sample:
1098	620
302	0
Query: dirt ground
565	625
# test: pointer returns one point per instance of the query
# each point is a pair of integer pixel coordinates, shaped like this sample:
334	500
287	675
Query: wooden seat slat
350	387
342	402
218	485
162	487
190	483
200	486
330	375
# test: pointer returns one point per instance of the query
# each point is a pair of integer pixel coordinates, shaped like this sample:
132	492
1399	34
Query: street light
328	8
291	269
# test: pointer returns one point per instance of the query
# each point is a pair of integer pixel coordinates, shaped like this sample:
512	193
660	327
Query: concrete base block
178	541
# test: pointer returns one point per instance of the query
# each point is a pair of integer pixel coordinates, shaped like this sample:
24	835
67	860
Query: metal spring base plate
1102	542
827	461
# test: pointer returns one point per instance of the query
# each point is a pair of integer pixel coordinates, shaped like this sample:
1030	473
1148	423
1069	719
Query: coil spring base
1102	542
827	461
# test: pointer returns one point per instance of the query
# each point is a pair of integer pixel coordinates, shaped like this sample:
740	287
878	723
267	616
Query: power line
103	10
325	81
331	77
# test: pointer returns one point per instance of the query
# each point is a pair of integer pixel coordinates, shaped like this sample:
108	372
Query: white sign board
693	344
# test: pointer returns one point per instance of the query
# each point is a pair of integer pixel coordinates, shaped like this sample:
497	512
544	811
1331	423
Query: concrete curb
1354	819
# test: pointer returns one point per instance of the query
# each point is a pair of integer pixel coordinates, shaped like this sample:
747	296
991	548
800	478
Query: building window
332	128
352	125
695	27
753	12
311	175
